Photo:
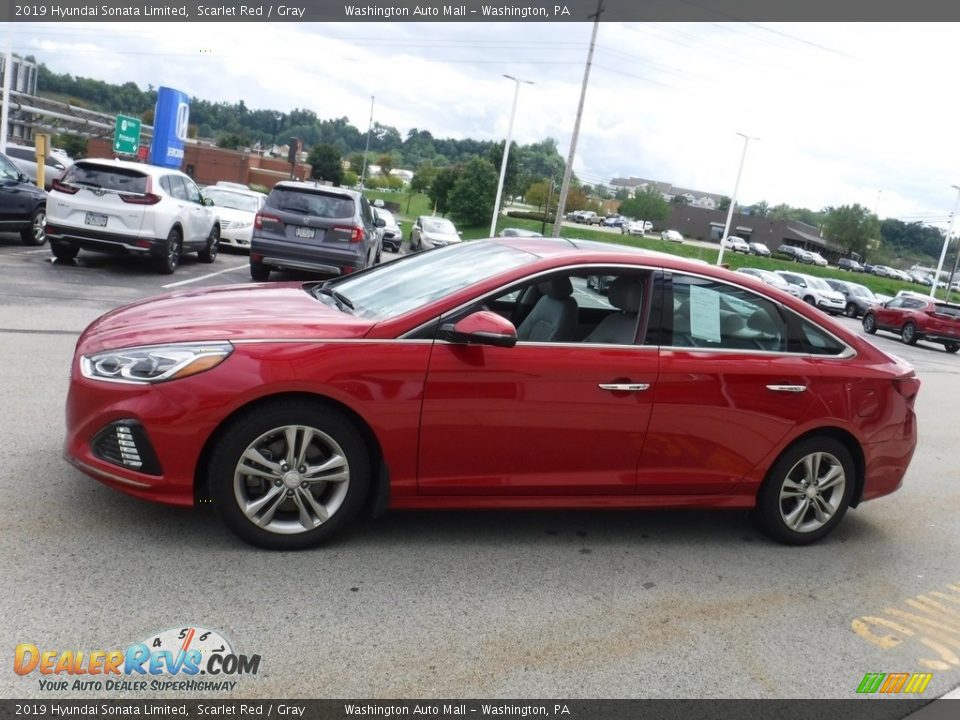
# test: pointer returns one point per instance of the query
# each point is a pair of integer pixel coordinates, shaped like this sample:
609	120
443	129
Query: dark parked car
792	252
23	206
914	318
25	158
313	227
859	298
519	232
391	235
850	265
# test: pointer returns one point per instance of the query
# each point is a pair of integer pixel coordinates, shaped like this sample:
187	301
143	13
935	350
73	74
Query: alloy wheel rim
214	244
291	480
812	492
39	225
908	332
173	252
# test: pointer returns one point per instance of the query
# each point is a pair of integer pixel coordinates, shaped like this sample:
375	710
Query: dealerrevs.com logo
188	658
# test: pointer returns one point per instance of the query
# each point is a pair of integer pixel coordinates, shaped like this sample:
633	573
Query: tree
233	141
73	145
327	164
441	186
474	191
385	162
646	205
852	227
622	194
576	200
679	200
760	209
537	193
724	203
356	162
350	178
423	178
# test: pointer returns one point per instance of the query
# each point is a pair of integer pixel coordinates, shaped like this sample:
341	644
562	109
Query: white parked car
636	227
818	259
126	208
816	291
771	278
671	236
430	231
237	207
736	244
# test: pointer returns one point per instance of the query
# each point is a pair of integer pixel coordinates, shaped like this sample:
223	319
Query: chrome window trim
325	341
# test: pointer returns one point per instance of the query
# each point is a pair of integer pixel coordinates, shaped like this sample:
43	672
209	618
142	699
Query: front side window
193	192
8	170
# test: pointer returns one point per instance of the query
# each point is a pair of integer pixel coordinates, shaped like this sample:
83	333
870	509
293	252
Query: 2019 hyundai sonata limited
484	375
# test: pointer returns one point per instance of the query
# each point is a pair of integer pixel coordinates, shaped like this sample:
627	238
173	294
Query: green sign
126	135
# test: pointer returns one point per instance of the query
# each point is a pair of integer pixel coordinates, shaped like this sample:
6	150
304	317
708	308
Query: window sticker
704	313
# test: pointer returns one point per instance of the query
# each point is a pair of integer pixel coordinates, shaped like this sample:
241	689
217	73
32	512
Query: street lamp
946	242
363	173
733	200
506	152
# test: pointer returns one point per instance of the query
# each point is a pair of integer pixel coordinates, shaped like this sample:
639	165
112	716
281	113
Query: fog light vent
125	443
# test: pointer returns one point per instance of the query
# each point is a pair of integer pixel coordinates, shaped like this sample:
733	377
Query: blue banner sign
171	119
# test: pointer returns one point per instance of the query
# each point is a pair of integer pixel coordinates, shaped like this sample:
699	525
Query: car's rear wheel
209	253
289	475
167	262
63	251
807	491
951	347
869	323
908	333
810	300
35	234
259	271
850	310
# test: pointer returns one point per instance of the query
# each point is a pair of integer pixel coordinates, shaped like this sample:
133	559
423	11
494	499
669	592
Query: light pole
506	152
946	242
363	173
733	200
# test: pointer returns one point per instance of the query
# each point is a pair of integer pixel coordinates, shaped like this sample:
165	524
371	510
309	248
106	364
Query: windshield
819	284
235	200
439	225
399	287
776	281
859	290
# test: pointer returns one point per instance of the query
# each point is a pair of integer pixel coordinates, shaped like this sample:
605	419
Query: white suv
126	208
816	291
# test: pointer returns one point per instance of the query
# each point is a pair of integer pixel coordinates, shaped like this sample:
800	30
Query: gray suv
313	227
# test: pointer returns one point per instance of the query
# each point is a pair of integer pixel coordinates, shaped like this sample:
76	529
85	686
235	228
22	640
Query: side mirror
483	328
380	222
207	202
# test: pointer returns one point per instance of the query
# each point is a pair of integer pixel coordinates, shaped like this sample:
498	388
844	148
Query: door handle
787	388
625	387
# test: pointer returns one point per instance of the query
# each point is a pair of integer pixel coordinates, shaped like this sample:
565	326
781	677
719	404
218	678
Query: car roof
237	189
313	186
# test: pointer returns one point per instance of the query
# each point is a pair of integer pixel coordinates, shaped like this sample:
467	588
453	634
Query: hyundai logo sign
171	124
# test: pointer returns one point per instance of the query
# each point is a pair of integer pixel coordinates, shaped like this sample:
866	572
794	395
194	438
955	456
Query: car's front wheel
289	475
850	310
209	253
869	323
36	234
167	262
951	347
807	491
908	334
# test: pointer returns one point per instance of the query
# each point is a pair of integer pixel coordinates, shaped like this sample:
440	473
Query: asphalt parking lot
508	604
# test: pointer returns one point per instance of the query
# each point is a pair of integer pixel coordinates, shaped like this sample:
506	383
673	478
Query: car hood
441	237
232	214
279	311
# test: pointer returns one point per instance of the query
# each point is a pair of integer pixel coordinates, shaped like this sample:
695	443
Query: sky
842	113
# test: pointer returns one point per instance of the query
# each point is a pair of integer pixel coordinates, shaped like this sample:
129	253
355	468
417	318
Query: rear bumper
106	242
318	259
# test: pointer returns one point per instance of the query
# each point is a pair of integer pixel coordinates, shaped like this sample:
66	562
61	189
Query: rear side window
109	178
951	310
318	204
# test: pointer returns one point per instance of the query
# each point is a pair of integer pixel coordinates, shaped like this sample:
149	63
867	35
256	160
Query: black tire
850	310
259	271
908	334
209	253
869	323
376	260
951	347
167	263
810	300
773	510
35	234
64	251
263	428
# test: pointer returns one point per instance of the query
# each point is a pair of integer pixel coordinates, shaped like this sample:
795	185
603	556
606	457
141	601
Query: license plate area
95	219
307	233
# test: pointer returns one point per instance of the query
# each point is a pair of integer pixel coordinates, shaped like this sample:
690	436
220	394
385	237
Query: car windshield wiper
339	298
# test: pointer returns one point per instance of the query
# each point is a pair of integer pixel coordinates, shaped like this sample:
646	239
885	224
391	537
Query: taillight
356	232
908	387
61	186
145	199
260	217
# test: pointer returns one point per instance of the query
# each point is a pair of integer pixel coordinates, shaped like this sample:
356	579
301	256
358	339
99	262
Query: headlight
243	223
156	363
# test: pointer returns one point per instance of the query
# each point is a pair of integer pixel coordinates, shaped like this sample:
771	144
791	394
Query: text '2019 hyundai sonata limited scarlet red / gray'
489	375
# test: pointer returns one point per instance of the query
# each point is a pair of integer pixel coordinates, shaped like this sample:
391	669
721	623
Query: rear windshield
107	177
951	310
307	202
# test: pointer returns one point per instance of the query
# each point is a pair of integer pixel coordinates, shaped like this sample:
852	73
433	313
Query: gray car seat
620	328
554	317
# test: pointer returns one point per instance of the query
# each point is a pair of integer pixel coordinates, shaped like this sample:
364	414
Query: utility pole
733	200
7	75
546	211
568	170
363	173
506	153
946	242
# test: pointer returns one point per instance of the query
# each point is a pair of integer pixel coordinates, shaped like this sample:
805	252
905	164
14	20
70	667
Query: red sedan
915	317
489	375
